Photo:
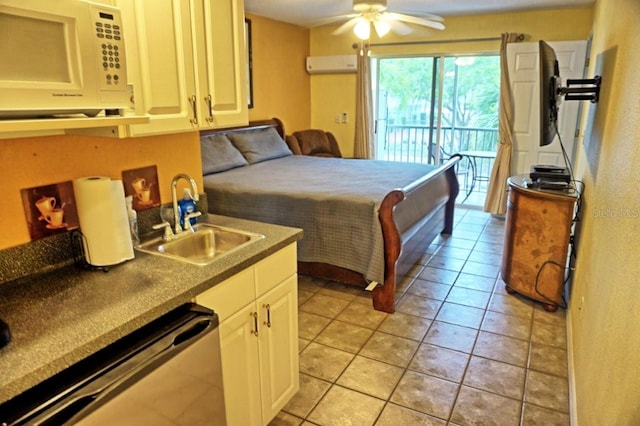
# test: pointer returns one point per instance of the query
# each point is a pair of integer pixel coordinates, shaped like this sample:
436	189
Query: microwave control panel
110	42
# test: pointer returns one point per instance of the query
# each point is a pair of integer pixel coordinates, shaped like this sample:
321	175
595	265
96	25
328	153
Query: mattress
334	200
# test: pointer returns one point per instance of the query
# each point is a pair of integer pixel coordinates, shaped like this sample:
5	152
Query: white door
522	59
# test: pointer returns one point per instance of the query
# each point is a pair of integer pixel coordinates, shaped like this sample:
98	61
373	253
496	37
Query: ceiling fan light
362	29
382	27
369	5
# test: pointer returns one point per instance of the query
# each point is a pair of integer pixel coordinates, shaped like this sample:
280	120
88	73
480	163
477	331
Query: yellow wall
29	162
280	82
605	299
332	94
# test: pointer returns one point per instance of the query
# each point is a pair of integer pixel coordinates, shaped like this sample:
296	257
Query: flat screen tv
549	93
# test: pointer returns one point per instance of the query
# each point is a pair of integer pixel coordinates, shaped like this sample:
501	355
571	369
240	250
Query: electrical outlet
345	118
338	118
581	305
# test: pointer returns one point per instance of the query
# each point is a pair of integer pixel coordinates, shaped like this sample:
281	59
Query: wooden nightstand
538	231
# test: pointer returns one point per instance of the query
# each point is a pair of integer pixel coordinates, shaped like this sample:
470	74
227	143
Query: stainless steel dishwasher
166	373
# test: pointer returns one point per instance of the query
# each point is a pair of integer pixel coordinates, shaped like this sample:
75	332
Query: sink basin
201	247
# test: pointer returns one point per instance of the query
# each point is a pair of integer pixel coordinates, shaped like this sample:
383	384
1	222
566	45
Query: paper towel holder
78	244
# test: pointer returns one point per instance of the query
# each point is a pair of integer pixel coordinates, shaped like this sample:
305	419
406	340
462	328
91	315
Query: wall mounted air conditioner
335	64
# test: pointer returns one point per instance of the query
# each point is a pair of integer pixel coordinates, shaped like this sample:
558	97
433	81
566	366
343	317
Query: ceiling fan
374	12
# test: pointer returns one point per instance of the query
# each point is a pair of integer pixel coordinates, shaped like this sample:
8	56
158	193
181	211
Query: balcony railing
417	144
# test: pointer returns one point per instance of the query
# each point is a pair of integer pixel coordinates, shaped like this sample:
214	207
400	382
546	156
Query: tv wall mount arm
589	89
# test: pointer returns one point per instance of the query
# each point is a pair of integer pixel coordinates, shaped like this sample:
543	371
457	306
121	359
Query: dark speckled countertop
60	317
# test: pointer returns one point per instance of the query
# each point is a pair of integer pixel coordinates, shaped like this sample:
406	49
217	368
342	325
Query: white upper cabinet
158	40
221	62
186	66
186	63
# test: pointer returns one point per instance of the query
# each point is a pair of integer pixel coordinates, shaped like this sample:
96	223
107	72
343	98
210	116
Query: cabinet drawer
275	269
231	295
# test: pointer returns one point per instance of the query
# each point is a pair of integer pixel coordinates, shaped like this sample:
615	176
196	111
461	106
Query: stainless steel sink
206	244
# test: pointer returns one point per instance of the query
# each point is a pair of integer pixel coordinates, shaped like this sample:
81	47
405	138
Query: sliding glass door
408	94
406	99
430	107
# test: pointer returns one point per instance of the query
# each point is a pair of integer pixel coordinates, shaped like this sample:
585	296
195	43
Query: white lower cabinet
258	310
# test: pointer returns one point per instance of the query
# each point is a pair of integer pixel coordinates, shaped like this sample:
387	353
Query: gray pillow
218	155
260	145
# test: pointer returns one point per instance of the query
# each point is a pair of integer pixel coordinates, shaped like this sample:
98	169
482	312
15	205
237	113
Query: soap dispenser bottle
187	205
133	220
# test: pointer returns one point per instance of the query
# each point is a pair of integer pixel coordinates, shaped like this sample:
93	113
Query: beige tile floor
458	350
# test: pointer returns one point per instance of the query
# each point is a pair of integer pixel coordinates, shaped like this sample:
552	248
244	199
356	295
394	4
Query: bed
365	222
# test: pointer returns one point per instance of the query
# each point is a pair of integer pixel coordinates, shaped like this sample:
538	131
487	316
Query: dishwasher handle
197	328
122	375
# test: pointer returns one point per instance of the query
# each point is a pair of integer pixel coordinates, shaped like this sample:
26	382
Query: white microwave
61	57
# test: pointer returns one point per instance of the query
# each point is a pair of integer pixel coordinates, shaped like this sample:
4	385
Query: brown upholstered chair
314	142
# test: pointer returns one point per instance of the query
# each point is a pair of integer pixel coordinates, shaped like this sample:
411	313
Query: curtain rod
460	40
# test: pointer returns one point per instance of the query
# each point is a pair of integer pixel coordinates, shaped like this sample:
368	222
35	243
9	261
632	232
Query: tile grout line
475	342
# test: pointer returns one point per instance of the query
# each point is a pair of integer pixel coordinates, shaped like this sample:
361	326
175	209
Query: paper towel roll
102	214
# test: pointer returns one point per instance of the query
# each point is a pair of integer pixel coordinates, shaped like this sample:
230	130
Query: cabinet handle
268	321
255	323
210	104
194	105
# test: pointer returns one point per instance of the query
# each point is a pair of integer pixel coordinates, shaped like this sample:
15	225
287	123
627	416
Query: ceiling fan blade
418	14
346	26
331	20
399	27
415	20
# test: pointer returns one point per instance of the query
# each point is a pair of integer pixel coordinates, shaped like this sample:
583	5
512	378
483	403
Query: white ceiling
307	12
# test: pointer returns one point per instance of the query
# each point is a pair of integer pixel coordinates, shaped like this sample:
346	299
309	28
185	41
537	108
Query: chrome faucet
174	199
177	232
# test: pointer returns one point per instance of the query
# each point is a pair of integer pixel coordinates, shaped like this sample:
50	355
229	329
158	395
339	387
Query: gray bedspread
335	201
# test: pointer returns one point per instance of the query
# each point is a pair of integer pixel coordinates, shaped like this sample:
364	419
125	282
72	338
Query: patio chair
464	170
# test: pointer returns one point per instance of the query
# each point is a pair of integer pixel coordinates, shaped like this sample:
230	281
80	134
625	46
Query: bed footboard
408	227
410	218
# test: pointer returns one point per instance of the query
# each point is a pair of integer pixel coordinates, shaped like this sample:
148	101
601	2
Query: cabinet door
278	311
221	63
537	233
240	368
160	63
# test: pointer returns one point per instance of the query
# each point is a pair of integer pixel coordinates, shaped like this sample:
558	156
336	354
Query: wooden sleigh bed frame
402	247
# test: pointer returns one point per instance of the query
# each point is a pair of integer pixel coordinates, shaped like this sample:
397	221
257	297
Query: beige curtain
496	201
364	146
